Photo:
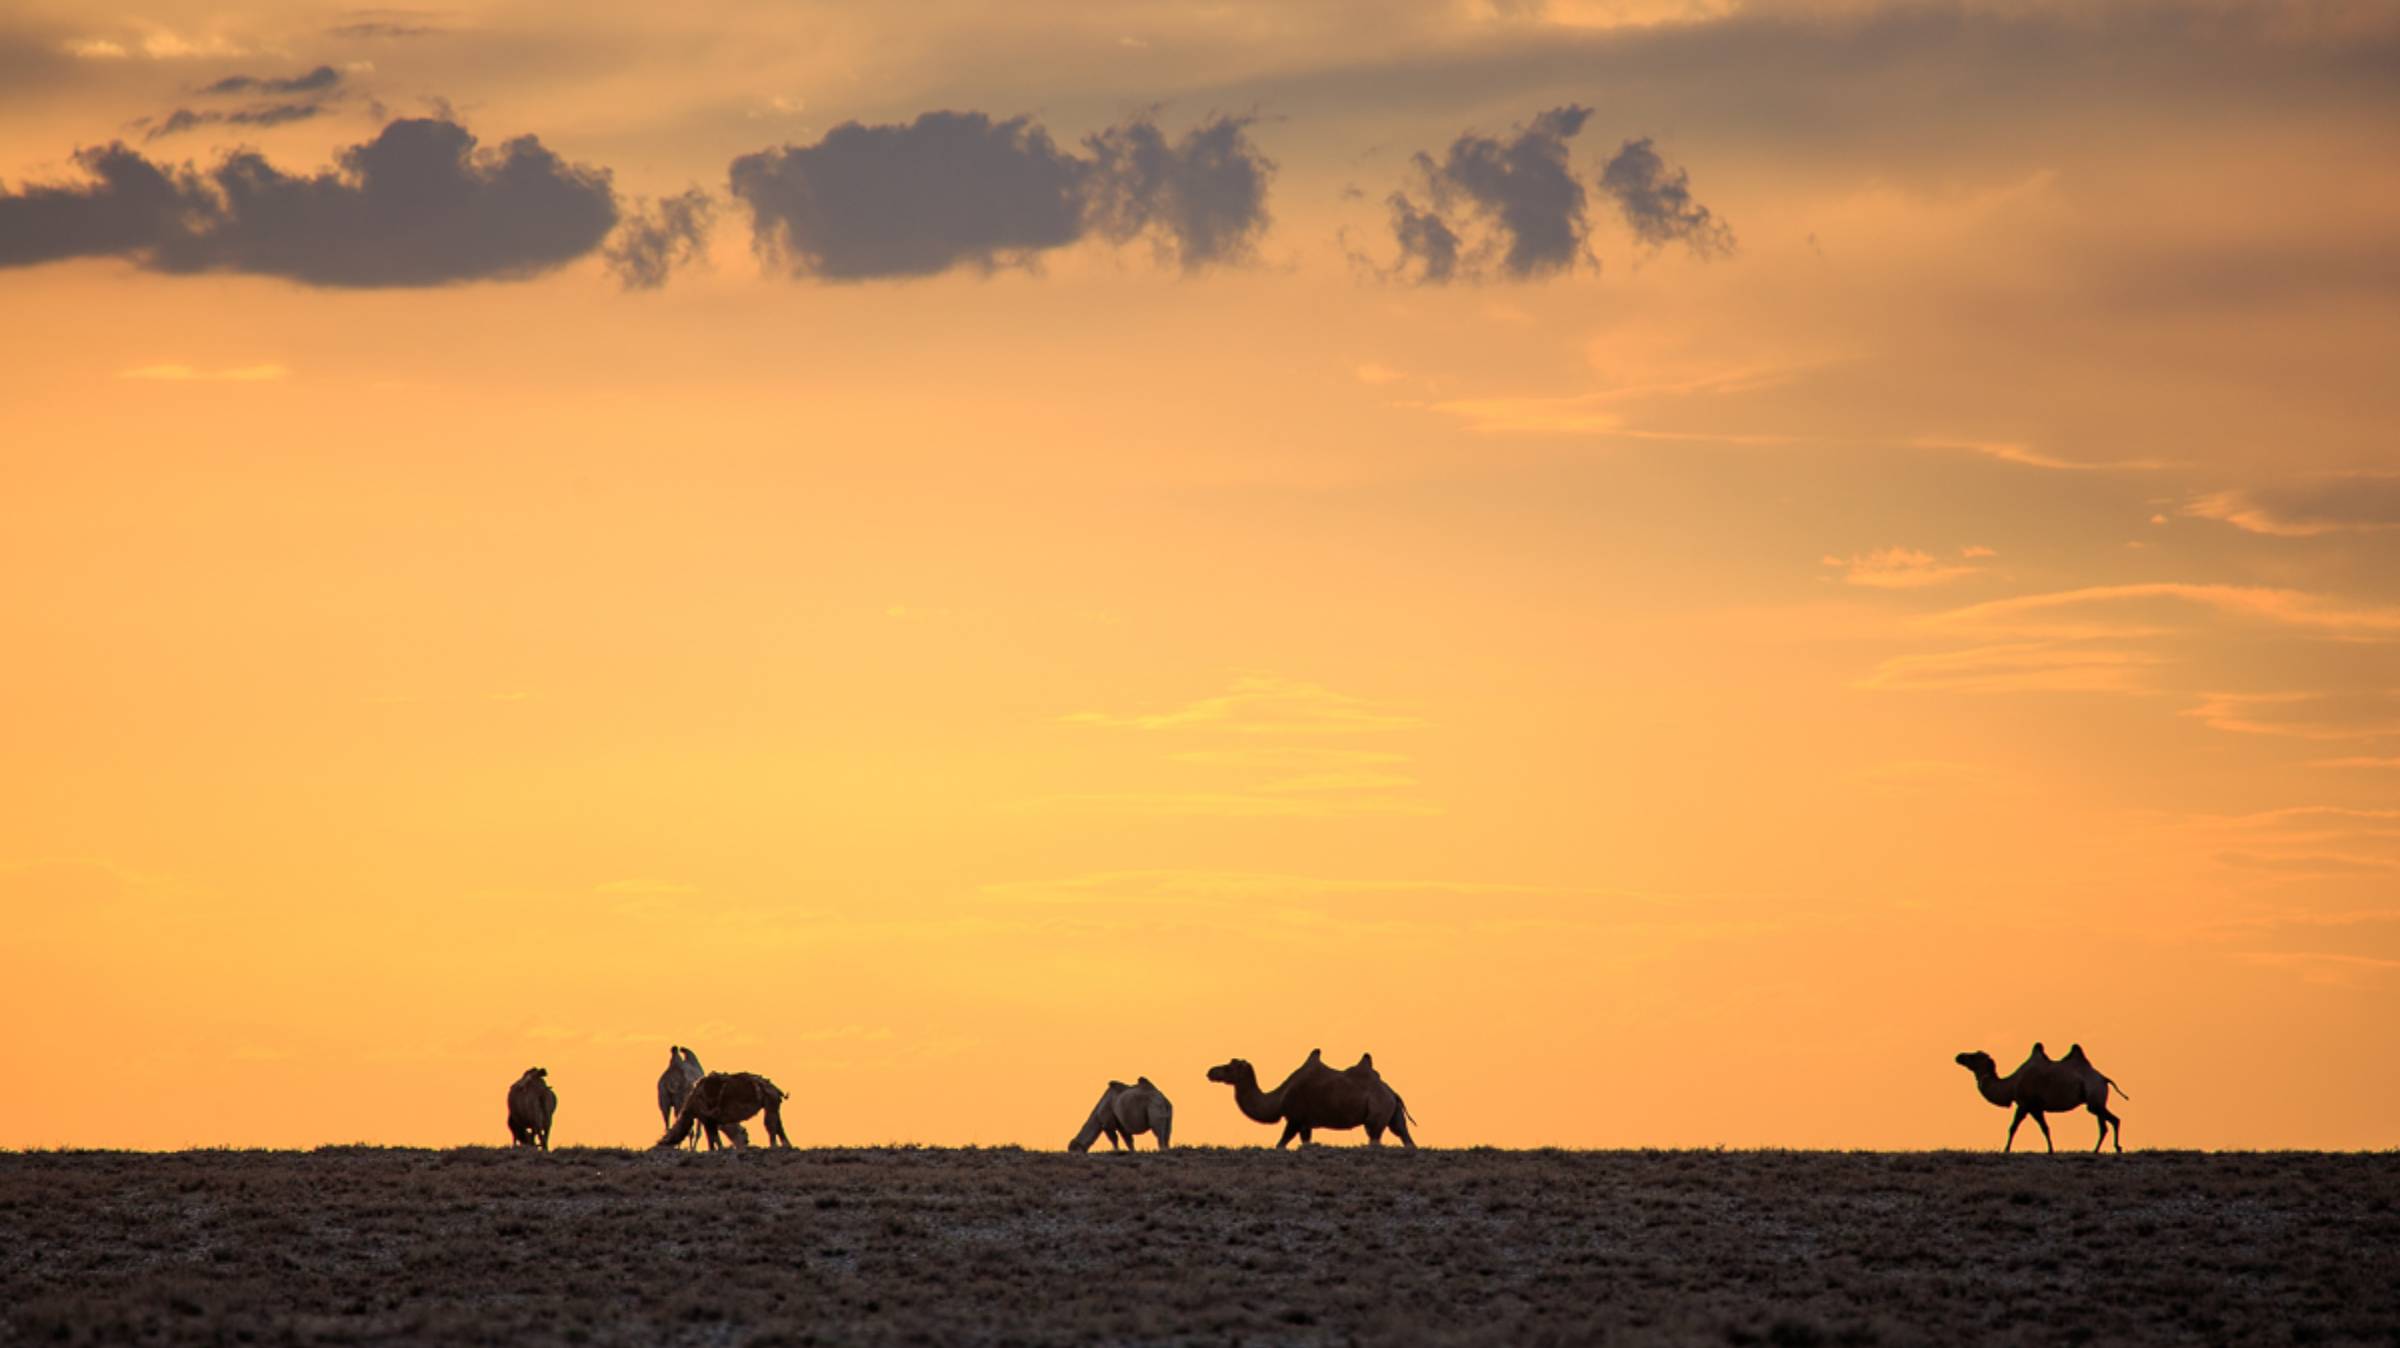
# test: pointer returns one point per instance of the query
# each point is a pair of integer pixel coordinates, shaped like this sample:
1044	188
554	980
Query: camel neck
1260	1106
1996	1088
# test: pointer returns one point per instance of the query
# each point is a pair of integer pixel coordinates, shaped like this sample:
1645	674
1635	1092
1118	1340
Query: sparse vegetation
1328	1246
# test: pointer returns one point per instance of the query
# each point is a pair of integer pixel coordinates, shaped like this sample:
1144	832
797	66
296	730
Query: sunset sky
1664	566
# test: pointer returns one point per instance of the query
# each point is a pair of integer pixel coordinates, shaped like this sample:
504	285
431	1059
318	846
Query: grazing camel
531	1106
1316	1096
720	1101
1124	1111
683	1069
2044	1085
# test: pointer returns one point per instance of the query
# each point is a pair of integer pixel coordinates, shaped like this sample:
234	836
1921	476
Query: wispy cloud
1265	705
2311	507
2024	667
2303	715
2036	615
237	374
2018	452
1898	568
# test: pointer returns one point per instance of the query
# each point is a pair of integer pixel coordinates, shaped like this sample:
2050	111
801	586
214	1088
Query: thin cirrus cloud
1260	753
2334	503
1898	568
956	190
419	205
187	374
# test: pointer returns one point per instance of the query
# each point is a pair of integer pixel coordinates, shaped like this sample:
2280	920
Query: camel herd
694	1102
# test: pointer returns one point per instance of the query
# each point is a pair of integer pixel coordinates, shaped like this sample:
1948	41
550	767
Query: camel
1124	1111
719	1101
531	1106
1316	1096
683	1068
2046	1085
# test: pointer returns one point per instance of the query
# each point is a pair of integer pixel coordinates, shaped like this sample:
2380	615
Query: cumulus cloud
1657	202
1522	189
658	237
959	189
418	205
315	81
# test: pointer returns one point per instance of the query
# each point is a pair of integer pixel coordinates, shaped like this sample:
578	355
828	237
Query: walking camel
531	1106
1124	1111
1316	1096
2046	1085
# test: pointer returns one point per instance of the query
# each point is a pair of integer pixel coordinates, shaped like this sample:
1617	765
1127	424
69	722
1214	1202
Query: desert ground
1331	1246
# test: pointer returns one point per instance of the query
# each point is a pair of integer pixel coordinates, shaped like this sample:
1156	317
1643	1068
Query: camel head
537	1074
1233	1072
1978	1062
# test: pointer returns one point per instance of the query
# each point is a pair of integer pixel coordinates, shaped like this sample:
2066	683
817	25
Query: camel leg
776	1137
2107	1121
2044	1124
1400	1128
1290	1131
2012	1129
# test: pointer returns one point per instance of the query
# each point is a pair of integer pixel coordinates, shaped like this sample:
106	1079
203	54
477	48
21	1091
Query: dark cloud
1425	240
656	239
131	207
1522	189
1657	202
954	189
2300	506
373	30
271	114
384	24
316	81
1204	197
419	205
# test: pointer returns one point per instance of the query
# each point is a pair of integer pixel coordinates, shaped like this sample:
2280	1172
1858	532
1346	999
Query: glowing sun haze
1711	555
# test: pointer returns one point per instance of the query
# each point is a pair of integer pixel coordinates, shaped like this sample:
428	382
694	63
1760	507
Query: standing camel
683	1070
720	1101
2046	1085
531	1106
1124	1111
1316	1096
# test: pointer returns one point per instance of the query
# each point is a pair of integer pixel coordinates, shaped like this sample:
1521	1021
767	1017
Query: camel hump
2075	1053
2039	1051
1144	1083
1119	1085
1366	1060
1316	1055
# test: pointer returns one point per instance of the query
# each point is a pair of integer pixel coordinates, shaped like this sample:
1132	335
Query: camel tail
2112	1082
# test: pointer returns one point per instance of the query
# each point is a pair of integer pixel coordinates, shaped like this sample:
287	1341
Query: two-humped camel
1124	1111
531	1106
1316	1096
683	1072
719	1101
2046	1085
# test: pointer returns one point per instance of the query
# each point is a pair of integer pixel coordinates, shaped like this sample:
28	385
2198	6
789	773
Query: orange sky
1718	684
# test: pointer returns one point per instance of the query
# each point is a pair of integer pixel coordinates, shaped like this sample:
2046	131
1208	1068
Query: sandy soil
1201	1246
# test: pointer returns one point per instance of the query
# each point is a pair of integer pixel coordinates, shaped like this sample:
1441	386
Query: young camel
2046	1085
683	1072
1124	1111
